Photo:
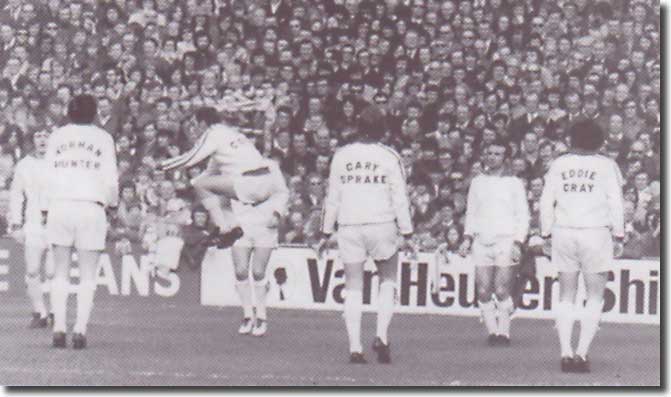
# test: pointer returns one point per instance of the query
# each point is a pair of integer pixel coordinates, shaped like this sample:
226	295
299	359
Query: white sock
488	310
85	294
352	313
47	285
589	324
59	303
385	309
564	319
505	309
34	289
260	298
245	293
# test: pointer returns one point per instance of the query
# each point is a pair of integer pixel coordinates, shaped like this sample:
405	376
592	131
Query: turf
150	342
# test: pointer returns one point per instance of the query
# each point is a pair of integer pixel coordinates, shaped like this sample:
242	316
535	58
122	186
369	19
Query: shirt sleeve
332	200
547	204
614	198
470	225
16	196
111	174
204	148
399	197
522	216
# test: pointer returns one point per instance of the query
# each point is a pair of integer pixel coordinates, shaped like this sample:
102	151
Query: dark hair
372	124
207	114
82	109
498	141
586	135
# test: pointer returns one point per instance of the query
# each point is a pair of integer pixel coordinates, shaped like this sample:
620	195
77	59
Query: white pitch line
178	375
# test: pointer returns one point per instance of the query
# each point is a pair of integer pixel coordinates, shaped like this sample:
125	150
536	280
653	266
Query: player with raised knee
582	221
497	224
236	171
27	225
259	224
367	198
82	182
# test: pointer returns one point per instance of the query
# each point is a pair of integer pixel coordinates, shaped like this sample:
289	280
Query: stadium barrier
298	280
128	277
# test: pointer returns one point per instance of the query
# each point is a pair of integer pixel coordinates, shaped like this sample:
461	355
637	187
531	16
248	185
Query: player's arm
399	197
614	199
522	216
204	147
470	224
50	158
17	198
280	198
332	201
111	173
547	204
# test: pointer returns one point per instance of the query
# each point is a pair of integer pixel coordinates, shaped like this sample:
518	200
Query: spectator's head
586	135
641	180
199	216
82	109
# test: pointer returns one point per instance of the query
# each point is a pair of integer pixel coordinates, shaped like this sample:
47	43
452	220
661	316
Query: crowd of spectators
450	75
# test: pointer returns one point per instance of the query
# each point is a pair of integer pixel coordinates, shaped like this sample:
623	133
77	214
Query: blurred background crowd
450	75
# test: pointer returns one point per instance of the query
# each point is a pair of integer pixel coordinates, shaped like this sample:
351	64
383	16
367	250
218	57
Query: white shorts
585	250
79	224
254	188
35	236
254	221
497	253
379	241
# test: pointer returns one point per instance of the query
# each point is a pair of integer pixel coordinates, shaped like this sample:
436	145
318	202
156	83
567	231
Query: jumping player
26	223
259	224
582	213
236	171
368	200
497	223
82	182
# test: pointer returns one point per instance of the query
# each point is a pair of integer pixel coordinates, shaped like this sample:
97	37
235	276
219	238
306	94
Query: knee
32	276
502	293
241	275
258	275
484	293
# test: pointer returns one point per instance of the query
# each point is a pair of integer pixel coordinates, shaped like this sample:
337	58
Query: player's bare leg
484	281
387	271
34	257
210	189
503	282
241	257
59	292
88	269
260	259
595	284
353	309
565	316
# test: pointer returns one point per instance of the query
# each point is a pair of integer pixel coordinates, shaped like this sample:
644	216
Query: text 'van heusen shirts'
582	191
497	208
28	185
366	185
82	166
230	152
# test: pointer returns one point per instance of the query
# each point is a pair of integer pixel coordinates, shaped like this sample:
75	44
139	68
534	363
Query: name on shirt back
367	177
577	181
